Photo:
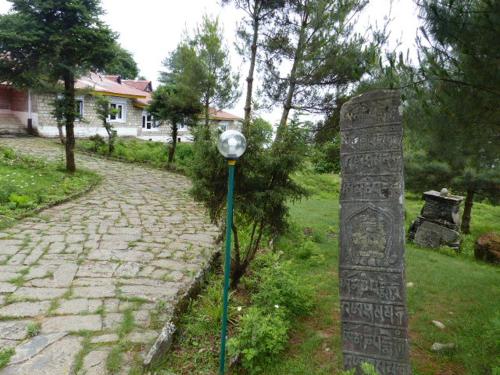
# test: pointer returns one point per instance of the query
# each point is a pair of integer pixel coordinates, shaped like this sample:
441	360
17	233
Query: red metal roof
102	84
139	84
222	116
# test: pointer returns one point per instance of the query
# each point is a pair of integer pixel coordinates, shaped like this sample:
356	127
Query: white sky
150	29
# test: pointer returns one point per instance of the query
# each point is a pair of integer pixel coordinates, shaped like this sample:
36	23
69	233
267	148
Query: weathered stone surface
94	291
24	309
103	339
72	323
142	337
13	330
34	346
56	359
372	285
487	248
94	363
78	306
7	287
39	293
429	234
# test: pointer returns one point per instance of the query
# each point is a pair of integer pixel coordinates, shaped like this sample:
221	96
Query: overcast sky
150	29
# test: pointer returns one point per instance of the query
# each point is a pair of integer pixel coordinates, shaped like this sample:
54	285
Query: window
119	112
148	121
79	108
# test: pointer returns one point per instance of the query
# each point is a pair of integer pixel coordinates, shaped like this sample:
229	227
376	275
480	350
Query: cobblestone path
85	281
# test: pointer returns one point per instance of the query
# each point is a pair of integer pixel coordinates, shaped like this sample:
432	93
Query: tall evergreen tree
455	112
178	99
44	41
258	12
219	86
122	64
316	39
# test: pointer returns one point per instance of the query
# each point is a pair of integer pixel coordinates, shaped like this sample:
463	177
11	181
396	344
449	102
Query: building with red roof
130	98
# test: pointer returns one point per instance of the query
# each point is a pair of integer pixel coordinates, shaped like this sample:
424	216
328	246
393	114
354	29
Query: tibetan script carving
372	286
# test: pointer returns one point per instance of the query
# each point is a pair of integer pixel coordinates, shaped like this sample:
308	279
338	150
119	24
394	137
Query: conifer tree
44	41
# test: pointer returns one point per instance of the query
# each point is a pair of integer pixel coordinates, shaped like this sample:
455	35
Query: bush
325	157
279	286
261	335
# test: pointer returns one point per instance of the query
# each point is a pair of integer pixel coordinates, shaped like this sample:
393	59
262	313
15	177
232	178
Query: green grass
5	354
152	153
28	185
453	288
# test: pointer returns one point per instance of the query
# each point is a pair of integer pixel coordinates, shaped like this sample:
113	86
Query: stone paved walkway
102	269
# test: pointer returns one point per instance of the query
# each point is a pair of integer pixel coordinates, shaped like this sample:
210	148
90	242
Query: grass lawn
452	288
28	185
139	151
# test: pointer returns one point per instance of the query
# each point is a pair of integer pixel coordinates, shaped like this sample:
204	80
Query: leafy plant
261	335
5	354
33	329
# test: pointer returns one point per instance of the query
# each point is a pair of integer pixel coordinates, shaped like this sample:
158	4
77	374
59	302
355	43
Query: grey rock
438	347
25	309
34	346
13	330
72	323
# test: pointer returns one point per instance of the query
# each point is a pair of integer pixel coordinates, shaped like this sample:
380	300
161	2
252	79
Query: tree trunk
171	150
253	57
61	135
69	115
287	105
466	216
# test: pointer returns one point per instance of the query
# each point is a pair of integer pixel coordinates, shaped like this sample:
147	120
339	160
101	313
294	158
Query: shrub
325	157
261	335
263	185
279	286
20	201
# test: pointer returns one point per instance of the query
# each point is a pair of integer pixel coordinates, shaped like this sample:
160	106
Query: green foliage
122	63
33	329
325	157
454	115
218	84
52	41
177	100
261	336
104	112
139	151
323	53
280	289
28	184
263	185
5	355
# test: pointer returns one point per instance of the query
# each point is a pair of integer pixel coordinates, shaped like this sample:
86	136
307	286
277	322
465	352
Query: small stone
104	339
13	330
39	293
72	323
94	363
57	358
487	248
78	306
34	346
142	337
7	287
94	292
438	324
410	285
437	346
25	309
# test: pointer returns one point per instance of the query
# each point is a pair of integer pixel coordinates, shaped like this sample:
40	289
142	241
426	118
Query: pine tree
178	99
316	39
455	112
46	41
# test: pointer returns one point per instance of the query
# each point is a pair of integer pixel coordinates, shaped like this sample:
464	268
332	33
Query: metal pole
227	264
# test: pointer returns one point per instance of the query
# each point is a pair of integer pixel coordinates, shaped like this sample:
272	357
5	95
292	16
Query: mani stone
439	221
372	283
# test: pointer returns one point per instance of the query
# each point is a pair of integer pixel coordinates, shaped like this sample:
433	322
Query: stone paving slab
106	267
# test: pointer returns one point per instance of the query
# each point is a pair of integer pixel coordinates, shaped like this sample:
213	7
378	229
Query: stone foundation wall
89	124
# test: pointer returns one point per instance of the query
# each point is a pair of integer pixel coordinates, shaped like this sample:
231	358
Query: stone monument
439	221
372	235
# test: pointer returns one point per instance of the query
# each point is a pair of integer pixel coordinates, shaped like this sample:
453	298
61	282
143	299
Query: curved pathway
100	274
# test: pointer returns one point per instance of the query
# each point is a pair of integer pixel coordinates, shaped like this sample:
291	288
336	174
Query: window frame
123	112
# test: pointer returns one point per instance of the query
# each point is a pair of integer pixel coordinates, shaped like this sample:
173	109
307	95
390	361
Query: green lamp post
232	144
